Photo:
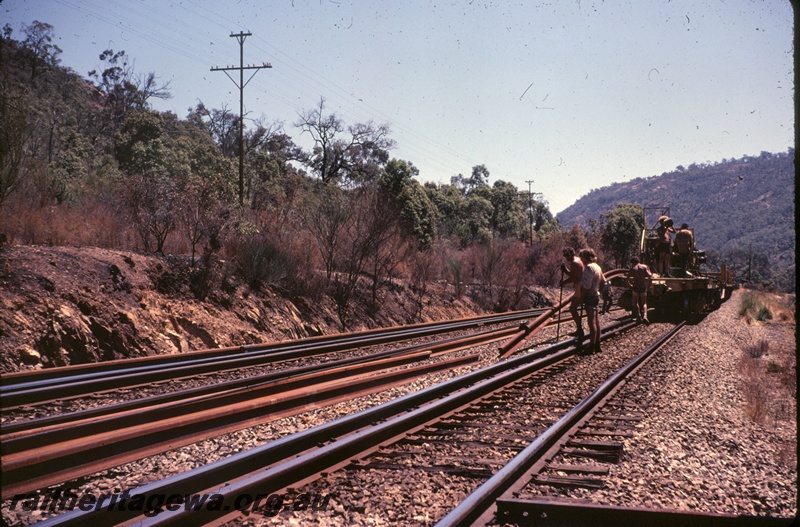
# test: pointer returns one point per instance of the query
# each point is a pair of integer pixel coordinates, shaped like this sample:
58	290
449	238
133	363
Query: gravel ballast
698	447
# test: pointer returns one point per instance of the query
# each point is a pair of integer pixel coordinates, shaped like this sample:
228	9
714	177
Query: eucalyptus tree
404	194
124	92
175	176
345	155
39	48
621	232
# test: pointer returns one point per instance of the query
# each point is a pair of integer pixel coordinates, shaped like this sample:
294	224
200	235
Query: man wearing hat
684	245
664	249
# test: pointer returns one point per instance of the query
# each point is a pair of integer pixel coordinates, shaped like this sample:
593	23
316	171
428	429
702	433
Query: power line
240	37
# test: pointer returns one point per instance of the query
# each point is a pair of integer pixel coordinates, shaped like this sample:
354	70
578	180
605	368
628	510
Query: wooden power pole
241	84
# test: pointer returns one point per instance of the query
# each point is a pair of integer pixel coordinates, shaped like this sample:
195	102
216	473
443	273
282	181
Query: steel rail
482	499
581	514
11	429
81	427
528	330
289	460
435	348
67	387
345	339
65	461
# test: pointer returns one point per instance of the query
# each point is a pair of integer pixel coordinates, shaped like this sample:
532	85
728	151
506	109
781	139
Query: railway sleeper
574	481
447	434
619	417
454	470
608	456
597	470
607	432
516	447
611	446
450	425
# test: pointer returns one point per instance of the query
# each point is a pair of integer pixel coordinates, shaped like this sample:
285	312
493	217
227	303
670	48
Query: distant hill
734	205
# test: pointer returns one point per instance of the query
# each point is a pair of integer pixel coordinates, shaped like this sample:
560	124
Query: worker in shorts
573	269
608	298
638	274
591	283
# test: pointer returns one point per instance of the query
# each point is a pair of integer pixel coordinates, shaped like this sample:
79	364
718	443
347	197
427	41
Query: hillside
69	305
738	205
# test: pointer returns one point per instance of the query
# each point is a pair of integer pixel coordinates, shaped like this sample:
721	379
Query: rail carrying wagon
692	291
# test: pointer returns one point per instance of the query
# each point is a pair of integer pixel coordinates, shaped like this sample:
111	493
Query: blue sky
572	95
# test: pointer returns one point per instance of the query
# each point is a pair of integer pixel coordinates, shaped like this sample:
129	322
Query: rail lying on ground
292	459
32	387
48	451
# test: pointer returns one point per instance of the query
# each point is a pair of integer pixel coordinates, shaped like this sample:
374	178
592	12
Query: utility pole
530	211
241	84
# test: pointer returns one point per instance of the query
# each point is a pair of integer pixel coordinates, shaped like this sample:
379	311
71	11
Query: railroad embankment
68	305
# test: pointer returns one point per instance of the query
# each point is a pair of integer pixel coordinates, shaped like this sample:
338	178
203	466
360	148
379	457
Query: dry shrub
498	272
755	390
759	306
83	223
758	350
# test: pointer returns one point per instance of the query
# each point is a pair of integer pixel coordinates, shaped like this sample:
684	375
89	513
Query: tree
206	190
403	193
19	125
125	92
38	44
477	215
221	124
508	215
478	178
369	242
354	158
621	232
325	216
156	157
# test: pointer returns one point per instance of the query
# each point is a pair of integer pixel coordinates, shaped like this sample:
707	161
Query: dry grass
760	307
768	361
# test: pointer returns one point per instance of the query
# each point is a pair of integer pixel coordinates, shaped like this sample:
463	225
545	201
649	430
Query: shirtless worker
684	245
591	283
664	247
573	269
638	274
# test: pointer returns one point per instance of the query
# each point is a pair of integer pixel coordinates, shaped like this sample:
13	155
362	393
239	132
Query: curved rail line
292	459
51	450
28	388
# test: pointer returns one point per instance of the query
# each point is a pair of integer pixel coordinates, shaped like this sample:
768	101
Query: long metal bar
546	513
484	497
20	380
46	470
371	425
86	427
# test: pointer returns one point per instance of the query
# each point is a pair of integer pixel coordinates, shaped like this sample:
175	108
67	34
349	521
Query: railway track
410	437
436	428
291	460
41	452
35	387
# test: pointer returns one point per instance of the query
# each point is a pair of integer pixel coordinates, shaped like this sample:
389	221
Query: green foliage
621	232
18	128
349	155
403	192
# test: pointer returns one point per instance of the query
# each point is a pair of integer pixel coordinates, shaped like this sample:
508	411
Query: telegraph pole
241	84
530	210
